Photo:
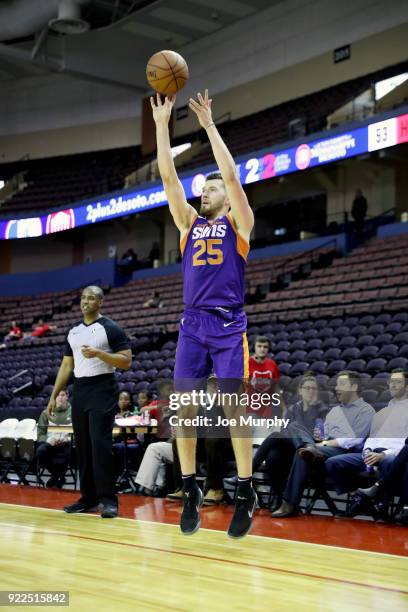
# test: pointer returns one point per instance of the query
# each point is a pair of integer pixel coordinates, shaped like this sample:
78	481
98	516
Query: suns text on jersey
217	230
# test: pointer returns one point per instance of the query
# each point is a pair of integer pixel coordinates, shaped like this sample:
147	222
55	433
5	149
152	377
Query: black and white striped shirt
102	334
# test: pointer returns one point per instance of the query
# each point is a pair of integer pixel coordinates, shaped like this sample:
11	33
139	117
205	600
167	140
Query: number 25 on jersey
207	253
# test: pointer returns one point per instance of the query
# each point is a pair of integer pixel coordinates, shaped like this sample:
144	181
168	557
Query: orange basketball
167	72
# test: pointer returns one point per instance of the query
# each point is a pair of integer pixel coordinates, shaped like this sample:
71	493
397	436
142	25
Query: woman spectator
278	449
126	405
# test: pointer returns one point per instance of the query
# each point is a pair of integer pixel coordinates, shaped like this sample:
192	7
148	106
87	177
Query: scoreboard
388	133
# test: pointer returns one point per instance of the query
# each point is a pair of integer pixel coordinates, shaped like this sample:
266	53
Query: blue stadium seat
376	366
358	365
319	366
314	343
393	328
335	367
329	343
142	385
297	356
369	352
282	356
367	320
352	352
285	368
385	319
401	339
314	355
298	345
347	341
398	362
331	354
376	329
388	351
363	341
165	373
300	368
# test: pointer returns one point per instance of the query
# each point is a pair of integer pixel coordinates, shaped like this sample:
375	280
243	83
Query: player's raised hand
202	108
162	110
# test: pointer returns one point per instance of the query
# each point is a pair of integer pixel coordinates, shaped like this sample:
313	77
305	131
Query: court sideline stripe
251	535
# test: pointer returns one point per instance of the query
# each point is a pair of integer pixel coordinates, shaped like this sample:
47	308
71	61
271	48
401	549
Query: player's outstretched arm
240	208
181	211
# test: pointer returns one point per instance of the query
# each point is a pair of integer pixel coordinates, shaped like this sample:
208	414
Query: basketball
167	72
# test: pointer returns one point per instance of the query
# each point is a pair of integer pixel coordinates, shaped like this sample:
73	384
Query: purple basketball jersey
214	261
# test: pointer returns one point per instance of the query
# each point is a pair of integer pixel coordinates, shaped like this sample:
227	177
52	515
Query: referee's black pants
94	404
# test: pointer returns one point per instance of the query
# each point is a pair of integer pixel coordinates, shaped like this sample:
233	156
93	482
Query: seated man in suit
345	429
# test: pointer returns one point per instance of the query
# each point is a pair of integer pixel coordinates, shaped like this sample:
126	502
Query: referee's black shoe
241	522
81	506
109	510
190	517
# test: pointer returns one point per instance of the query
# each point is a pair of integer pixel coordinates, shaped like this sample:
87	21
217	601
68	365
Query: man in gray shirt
345	429
389	429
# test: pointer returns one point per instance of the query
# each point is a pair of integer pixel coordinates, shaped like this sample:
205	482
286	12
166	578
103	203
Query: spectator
126	405
278	450
395	479
54	448
218	450
359	211
388	431
263	378
144	399
154	254
155	301
14	334
128	262
345	429
151	474
214	453
39	330
262	369
212	450
177	495
133	446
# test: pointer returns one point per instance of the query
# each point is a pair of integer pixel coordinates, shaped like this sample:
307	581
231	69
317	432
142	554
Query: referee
94	347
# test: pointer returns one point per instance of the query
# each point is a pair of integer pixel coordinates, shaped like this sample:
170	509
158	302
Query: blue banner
251	170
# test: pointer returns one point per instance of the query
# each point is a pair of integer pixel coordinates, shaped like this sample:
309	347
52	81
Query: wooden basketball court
128	564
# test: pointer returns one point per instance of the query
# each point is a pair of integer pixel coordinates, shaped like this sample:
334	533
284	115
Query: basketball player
214	246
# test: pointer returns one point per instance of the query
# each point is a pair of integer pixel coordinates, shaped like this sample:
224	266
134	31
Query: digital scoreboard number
382	134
